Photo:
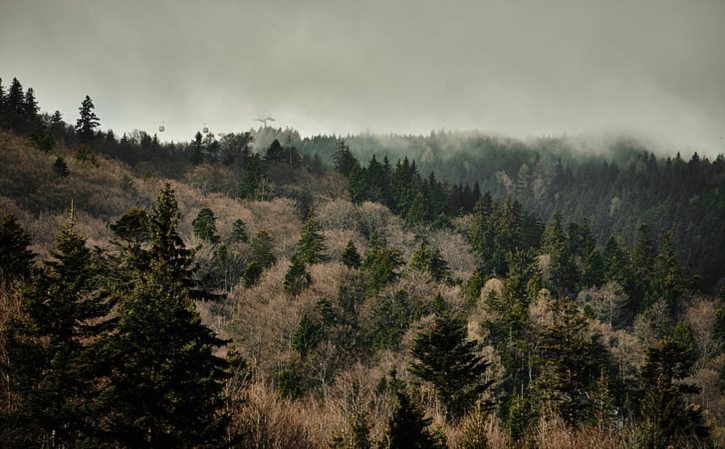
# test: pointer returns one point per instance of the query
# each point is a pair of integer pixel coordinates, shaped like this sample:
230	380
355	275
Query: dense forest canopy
261	289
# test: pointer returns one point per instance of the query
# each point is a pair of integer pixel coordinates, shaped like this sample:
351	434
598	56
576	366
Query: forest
260	289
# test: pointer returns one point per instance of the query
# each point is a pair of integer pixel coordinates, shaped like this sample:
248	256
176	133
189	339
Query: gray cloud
522	68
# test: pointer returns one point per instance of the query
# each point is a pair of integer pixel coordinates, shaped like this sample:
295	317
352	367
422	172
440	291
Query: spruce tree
408	428
642	260
260	250
569	362
447	359
594	271
380	265
239	232
253	183
345	162
87	122
430	261
297	277
15	101
667	281
15	257
668	419
164	382
30	106
311	248
260	258
350	257
51	350
204	226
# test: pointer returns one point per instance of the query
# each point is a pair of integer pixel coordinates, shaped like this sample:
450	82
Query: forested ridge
259	289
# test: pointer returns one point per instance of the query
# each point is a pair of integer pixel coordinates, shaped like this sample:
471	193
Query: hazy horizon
649	69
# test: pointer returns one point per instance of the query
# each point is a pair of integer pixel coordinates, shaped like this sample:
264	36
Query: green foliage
569	363
350	257
473	288
290	381
311	247
594	271
204	226
408	428
430	261
667	418
239	232
297	277
164	383
380	265
520	417
51	350
448	360
345	162
15	257
60	167
307	336
254	184
667	281
41	137
87	122
260	250
388	318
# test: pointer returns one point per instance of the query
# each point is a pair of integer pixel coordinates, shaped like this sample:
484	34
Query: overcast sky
512	67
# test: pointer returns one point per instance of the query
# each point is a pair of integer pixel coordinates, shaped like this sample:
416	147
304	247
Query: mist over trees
260	289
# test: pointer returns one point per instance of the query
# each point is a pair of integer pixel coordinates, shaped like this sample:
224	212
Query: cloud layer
521	68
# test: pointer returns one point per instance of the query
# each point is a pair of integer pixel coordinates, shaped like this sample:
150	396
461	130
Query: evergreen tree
260	250
350	257
594	271
667	281
52	368
253	183
15	257
15	101
60	167
617	262
430	261
197	149
297	277
447	359
311	247
642	260
563	274
239	232
87	122
345	162
204	226
307	336
260	258
408	428
164	383
30	106
275	152
569	362
417	212
380	265
667	418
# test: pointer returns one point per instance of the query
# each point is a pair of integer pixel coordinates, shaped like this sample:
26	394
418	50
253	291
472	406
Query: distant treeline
430	179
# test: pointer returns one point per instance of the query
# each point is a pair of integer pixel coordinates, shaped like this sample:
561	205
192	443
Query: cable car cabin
206	129
162	128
